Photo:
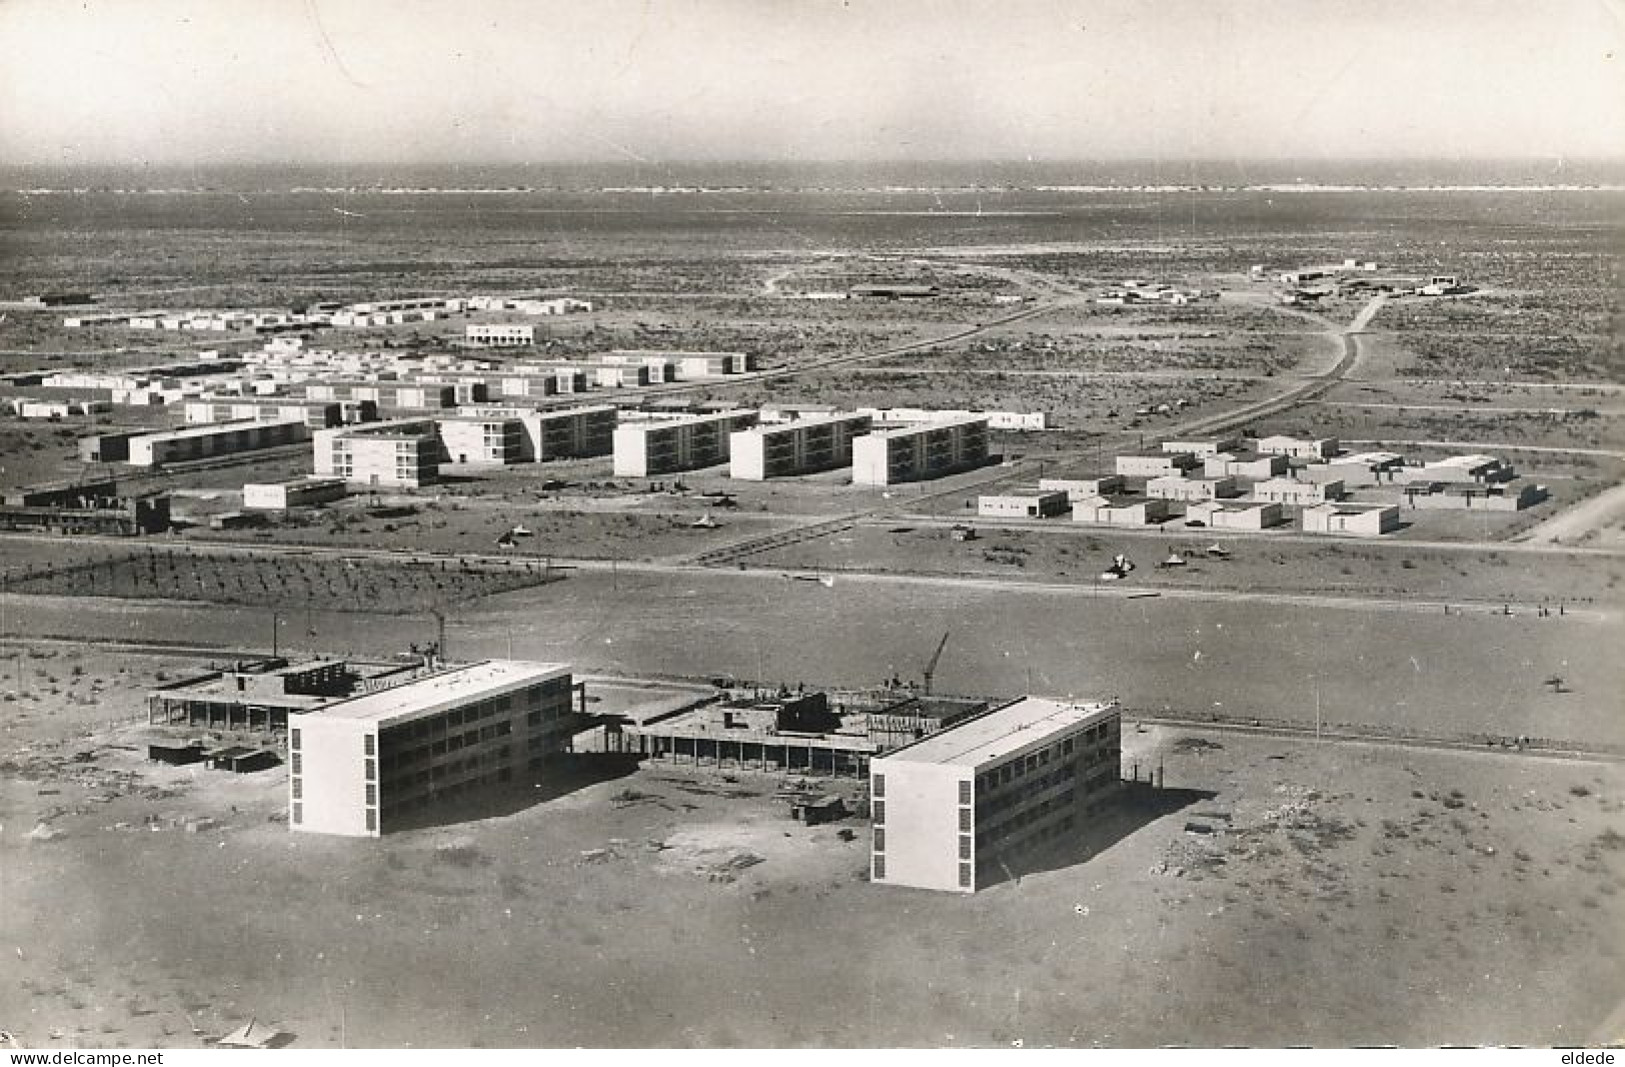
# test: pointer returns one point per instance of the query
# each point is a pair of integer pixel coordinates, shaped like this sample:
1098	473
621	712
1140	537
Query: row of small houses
1206	474
365	313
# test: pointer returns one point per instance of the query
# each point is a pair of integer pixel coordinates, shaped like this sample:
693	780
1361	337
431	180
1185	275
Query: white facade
357	766
1082	488
500	334
1177	488
298	493
1296	493
1358	520
1311	448
951	810
1243	515
656	446
801	446
482	441
1202	447
1243	465
400	454
1018	504
1128	511
1365	468
916	452
553	433
1155	464
216	439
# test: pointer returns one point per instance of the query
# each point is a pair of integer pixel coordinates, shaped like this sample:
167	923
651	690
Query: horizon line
1545	159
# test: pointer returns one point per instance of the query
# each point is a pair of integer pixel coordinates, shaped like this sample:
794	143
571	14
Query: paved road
1465	407
1309	387
1574	524
983	583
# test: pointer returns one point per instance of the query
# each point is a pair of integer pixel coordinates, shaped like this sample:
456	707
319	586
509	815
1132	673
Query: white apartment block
398	454
688	366
920	451
666	445
358	767
547	434
801	446
951	810
482	441
214	439
317	414
500	334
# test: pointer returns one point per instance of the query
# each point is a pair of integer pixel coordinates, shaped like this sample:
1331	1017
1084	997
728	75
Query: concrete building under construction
795	732
358	766
951	810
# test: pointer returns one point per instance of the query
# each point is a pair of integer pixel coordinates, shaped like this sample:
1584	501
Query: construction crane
931	667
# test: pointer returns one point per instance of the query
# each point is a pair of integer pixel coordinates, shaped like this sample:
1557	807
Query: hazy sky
516	80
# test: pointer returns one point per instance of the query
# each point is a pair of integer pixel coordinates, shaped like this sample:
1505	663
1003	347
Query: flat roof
654	420
1474	460
678	353
911	428
1350	507
415	427
214	429
308	481
1023	492
830	418
1001	731
1365	457
443	689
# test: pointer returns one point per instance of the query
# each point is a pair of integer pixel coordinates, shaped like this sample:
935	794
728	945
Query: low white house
1079	488
296	493
1356	520
1234	515
1297	494
1155	464
1124	511
1188	489
1022	504
1311	448
1253	466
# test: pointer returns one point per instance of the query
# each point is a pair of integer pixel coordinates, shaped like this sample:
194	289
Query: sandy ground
1475	673
1350	895
1281	560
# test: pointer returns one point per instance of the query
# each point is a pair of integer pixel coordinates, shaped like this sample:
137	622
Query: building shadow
561	775
1137	806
